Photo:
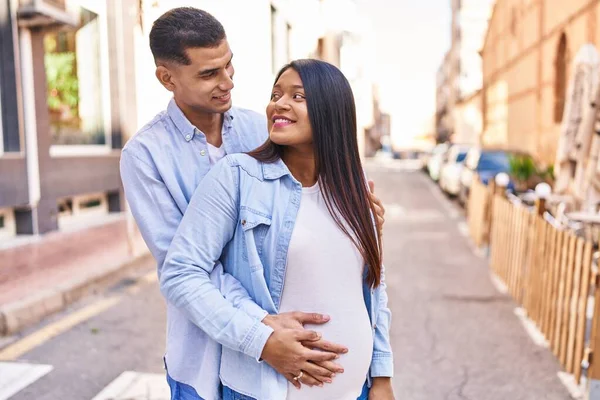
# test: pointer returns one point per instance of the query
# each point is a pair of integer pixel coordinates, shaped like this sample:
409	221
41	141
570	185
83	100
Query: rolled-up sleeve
382	362
207	226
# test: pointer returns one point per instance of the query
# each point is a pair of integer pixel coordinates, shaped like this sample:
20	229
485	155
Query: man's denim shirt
161	167
244	214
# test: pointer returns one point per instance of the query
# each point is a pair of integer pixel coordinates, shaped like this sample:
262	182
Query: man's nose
227	83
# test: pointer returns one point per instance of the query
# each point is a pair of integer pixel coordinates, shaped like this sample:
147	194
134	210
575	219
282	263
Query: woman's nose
282	104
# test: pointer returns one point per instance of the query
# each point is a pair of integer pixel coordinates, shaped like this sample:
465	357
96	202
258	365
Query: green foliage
522	167
547	174
63	86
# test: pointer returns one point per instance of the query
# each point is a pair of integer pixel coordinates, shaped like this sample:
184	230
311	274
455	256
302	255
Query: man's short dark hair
180	29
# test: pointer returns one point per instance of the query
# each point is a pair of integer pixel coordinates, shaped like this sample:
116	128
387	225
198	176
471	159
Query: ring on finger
300	375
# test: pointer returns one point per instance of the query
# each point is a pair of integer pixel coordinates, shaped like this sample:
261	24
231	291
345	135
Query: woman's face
287	114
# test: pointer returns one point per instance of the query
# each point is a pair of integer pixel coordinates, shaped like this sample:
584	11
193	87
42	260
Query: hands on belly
298	353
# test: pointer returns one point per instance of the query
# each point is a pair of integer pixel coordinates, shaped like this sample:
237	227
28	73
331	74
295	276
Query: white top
215	153
324	275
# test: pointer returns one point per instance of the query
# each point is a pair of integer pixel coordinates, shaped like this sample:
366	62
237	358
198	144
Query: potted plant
522	169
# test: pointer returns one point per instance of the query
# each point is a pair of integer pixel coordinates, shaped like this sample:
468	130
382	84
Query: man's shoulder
248	115
250	126
149	133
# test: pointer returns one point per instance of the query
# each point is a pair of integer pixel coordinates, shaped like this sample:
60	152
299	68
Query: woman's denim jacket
243	213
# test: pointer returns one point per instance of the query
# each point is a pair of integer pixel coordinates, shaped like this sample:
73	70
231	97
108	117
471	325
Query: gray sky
411	39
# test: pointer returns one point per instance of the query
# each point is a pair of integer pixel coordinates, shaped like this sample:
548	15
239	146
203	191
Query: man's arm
158	216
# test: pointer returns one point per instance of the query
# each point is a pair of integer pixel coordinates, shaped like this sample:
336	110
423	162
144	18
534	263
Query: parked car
451	170
486	163
436	160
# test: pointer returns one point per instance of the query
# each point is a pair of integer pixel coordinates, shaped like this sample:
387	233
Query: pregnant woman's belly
324	275
349	326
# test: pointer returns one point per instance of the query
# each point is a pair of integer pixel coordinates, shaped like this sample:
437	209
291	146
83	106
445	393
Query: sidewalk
42	275
455	335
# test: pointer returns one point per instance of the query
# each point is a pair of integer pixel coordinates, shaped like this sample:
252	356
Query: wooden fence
478	210
547	270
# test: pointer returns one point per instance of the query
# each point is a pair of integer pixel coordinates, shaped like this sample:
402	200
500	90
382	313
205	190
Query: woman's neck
301	163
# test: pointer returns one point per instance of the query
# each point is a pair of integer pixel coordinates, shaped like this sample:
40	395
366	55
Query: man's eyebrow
210	71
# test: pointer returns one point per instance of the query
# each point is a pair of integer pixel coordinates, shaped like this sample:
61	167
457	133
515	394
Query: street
454	334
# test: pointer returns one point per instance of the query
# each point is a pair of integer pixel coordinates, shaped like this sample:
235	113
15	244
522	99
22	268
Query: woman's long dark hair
332	115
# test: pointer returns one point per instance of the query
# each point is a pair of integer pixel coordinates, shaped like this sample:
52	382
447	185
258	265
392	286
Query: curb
23	313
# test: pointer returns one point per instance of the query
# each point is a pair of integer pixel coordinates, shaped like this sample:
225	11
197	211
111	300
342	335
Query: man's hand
379	210
381	389
285	351
296	320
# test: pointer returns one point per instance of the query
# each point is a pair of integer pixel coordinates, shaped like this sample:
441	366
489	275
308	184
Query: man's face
205	84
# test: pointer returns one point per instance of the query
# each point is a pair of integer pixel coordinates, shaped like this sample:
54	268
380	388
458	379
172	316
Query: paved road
455	335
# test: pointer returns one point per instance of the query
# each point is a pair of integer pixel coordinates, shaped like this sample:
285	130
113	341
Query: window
321	49
75	84
513	21
560	79
1	135
273	36
288	37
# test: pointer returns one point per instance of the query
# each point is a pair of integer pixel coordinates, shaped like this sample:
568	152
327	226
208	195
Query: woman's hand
381	389
315	372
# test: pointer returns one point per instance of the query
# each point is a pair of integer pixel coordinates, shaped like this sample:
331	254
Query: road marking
135	385
48	332
498	284
17	376
569	382
22	346
532	330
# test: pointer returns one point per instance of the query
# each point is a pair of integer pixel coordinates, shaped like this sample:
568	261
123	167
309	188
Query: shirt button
202	152
188	137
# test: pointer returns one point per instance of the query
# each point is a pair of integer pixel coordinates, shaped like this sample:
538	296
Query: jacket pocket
255	226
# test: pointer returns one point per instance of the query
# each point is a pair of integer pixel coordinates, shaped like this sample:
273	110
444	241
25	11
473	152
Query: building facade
527	56
77	80
460	76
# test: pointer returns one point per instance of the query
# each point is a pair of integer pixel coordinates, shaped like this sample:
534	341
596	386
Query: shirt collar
184	125
275	170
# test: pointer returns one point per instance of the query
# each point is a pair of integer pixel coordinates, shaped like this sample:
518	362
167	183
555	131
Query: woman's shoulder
247	165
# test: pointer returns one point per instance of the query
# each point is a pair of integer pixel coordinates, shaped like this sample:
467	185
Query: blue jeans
181	391
229	394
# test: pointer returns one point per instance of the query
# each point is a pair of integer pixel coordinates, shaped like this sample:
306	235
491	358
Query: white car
436	160
451	170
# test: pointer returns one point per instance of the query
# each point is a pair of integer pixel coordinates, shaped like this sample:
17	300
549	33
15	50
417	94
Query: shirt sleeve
382	361
158	216
207	226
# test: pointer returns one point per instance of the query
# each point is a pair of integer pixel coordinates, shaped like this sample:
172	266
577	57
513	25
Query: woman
292	221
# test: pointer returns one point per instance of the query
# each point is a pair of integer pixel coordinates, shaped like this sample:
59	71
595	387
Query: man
161	167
